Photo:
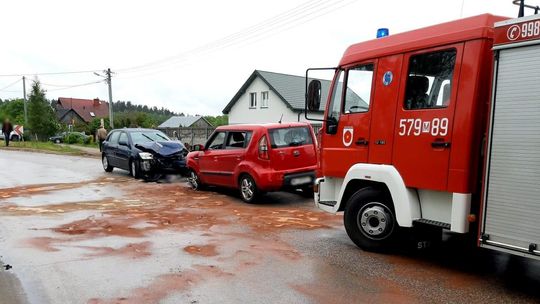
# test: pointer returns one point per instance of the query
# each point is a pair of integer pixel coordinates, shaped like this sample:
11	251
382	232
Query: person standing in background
7	128
101	135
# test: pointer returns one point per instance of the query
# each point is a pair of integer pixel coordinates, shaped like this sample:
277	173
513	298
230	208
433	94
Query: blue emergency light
382	32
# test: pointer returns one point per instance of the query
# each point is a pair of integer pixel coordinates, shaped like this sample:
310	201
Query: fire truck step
432	223
328	203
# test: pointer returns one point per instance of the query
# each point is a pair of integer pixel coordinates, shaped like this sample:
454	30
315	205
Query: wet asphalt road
75	234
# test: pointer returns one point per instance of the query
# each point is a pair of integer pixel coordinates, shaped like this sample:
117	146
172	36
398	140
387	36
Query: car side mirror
123	143
198	147
314	95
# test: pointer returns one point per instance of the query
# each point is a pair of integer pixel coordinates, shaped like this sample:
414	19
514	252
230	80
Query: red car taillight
263	148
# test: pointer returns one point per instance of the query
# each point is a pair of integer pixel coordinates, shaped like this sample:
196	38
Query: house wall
240	113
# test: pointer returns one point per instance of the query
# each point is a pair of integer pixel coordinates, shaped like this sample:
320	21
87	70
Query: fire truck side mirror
314	95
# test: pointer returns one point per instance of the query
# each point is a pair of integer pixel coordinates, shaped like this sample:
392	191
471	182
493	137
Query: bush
74	138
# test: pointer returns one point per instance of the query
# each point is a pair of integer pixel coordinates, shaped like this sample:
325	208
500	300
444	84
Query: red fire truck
436	128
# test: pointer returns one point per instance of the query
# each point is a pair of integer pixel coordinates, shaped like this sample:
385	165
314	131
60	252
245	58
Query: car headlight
146	156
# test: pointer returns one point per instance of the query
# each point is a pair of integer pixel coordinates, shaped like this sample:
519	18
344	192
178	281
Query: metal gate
512	195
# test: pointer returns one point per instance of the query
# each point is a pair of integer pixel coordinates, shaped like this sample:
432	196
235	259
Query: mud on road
117	240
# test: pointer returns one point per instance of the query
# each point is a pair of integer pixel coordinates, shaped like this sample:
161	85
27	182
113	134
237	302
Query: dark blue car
145	153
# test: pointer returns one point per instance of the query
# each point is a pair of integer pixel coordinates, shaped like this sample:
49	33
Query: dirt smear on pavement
29	190
131	250
165	285
201	250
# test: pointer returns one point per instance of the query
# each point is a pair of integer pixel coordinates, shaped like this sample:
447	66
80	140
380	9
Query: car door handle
361	142
440	144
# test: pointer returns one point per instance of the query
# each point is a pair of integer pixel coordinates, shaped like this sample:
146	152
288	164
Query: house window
264	99
252	100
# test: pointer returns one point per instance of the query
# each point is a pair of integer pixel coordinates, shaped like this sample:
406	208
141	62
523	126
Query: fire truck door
346	141
424	119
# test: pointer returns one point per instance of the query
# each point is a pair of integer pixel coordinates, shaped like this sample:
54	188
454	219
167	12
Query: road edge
11	288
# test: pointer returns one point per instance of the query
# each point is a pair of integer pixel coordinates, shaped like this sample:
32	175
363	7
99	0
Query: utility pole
108	73
25	102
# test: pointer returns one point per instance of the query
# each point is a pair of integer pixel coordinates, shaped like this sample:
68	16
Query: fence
191	136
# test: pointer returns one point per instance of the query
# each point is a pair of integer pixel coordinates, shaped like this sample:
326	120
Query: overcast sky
171	53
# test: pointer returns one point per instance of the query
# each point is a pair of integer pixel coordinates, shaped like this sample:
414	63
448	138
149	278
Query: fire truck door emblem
348	133
387	78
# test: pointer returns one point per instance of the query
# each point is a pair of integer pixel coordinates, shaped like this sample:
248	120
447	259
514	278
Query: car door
123	152
234	152
110	148
210	169
424	121
346	141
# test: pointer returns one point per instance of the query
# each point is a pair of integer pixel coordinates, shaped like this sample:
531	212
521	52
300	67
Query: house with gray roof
267	97
185	122
189	129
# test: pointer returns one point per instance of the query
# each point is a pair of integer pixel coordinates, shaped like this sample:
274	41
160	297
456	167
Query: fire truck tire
370	220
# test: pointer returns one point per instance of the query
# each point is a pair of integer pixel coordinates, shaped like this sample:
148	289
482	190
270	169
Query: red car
256	159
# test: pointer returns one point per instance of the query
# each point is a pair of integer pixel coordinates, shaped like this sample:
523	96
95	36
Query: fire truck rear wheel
370	220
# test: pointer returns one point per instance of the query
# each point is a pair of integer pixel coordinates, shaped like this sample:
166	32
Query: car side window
217	142
113	138
236	140
123	137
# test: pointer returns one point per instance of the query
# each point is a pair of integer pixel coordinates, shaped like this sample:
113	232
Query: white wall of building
241	113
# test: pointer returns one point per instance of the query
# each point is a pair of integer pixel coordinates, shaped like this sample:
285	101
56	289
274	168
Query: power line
48	73
62	85
11	84
233	36
76	86
299	15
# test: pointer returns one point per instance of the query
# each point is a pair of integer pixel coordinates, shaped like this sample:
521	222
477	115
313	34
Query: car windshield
290	137
148	136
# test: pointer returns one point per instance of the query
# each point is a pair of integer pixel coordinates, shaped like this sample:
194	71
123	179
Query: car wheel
57	141
106	166
194	180
370	220
248	189
134	169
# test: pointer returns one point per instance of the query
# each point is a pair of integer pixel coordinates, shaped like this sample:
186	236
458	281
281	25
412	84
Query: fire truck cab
405	131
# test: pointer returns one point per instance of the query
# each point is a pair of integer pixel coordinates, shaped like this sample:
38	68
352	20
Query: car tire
370	220
134	170
194	180
249	192
106	165
57	141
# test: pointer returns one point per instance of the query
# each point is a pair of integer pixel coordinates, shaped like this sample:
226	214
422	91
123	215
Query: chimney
97	102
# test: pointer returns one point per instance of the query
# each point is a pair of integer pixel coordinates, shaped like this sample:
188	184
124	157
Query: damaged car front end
160	158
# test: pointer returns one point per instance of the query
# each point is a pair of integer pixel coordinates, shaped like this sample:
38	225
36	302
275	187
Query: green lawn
41	146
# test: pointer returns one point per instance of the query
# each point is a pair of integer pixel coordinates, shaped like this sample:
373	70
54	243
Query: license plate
301	180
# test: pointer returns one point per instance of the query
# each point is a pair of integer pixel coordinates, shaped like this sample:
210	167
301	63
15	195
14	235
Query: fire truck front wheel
370	220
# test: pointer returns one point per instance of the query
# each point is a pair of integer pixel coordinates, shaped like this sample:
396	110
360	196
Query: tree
14	110
217	121
41	117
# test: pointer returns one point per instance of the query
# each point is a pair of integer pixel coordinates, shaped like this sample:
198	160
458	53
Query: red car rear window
290	137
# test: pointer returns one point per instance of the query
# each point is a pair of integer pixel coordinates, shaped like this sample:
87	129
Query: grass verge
37	146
